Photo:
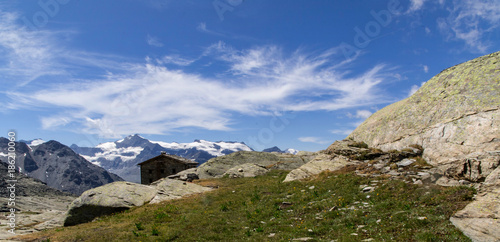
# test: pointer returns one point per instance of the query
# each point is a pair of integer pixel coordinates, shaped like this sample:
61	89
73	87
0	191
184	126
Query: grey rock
322	162
368	189
479	219
216	167
167	189
186	175
120	196
108	199
246	170
447	182
405	162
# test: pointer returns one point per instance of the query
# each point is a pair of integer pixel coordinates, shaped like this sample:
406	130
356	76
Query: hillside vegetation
338	206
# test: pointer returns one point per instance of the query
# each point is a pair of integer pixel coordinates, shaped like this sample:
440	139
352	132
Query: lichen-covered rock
455	117
186	175
119	196
454	114
246	170
108	199
479	220
168	189
320	163
216	167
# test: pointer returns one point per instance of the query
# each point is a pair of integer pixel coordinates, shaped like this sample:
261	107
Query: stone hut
162	166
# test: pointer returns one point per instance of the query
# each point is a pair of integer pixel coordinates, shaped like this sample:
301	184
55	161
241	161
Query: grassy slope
252	209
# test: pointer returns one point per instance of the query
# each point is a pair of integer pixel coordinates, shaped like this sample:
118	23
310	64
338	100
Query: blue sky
295	74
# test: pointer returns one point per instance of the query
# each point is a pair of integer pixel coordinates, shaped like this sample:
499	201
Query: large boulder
479	220
119	196
454	116
246	170
108	199
216	167
168	189
322	162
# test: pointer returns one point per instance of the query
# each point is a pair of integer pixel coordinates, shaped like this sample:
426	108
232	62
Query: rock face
479	220
216	167
110	198
347	152
37	205
120	196
321	163
455	117
58	166
246	170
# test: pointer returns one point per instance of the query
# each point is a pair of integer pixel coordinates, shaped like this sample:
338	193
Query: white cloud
427	30
341	131
153	41
26	55
29	55
469	21
426	68
416	5
415	88
315	140
176	60
149	98
364	114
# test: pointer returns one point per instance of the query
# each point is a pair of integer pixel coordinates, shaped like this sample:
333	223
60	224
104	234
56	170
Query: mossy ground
328	207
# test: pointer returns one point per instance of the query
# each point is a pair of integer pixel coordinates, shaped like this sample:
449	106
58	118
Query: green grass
253	208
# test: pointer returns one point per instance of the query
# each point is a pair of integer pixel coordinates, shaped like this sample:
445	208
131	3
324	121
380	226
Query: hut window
162	171
150	171
173	171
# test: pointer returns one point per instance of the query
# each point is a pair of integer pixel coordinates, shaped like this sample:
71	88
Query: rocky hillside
37	205
58	166
455	117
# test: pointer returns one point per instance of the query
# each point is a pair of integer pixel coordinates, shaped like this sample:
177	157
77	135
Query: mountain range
57	165
121	157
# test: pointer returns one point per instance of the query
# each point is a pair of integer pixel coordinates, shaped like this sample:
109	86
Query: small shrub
139	226
420	162
359	145
155	232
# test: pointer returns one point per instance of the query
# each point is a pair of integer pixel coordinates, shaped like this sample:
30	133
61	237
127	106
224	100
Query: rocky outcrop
375	162
322	162
120	196
246	170
216	167
479	220
455	116
37	205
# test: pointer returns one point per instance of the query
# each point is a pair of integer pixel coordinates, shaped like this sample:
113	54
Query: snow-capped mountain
32	143
121	157
276	149
56	165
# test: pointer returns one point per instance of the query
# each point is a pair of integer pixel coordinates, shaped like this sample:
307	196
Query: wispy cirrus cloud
315	140
150	97
469	21
153	41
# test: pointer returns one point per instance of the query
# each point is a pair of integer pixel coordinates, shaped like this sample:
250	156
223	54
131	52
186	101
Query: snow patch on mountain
214	148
